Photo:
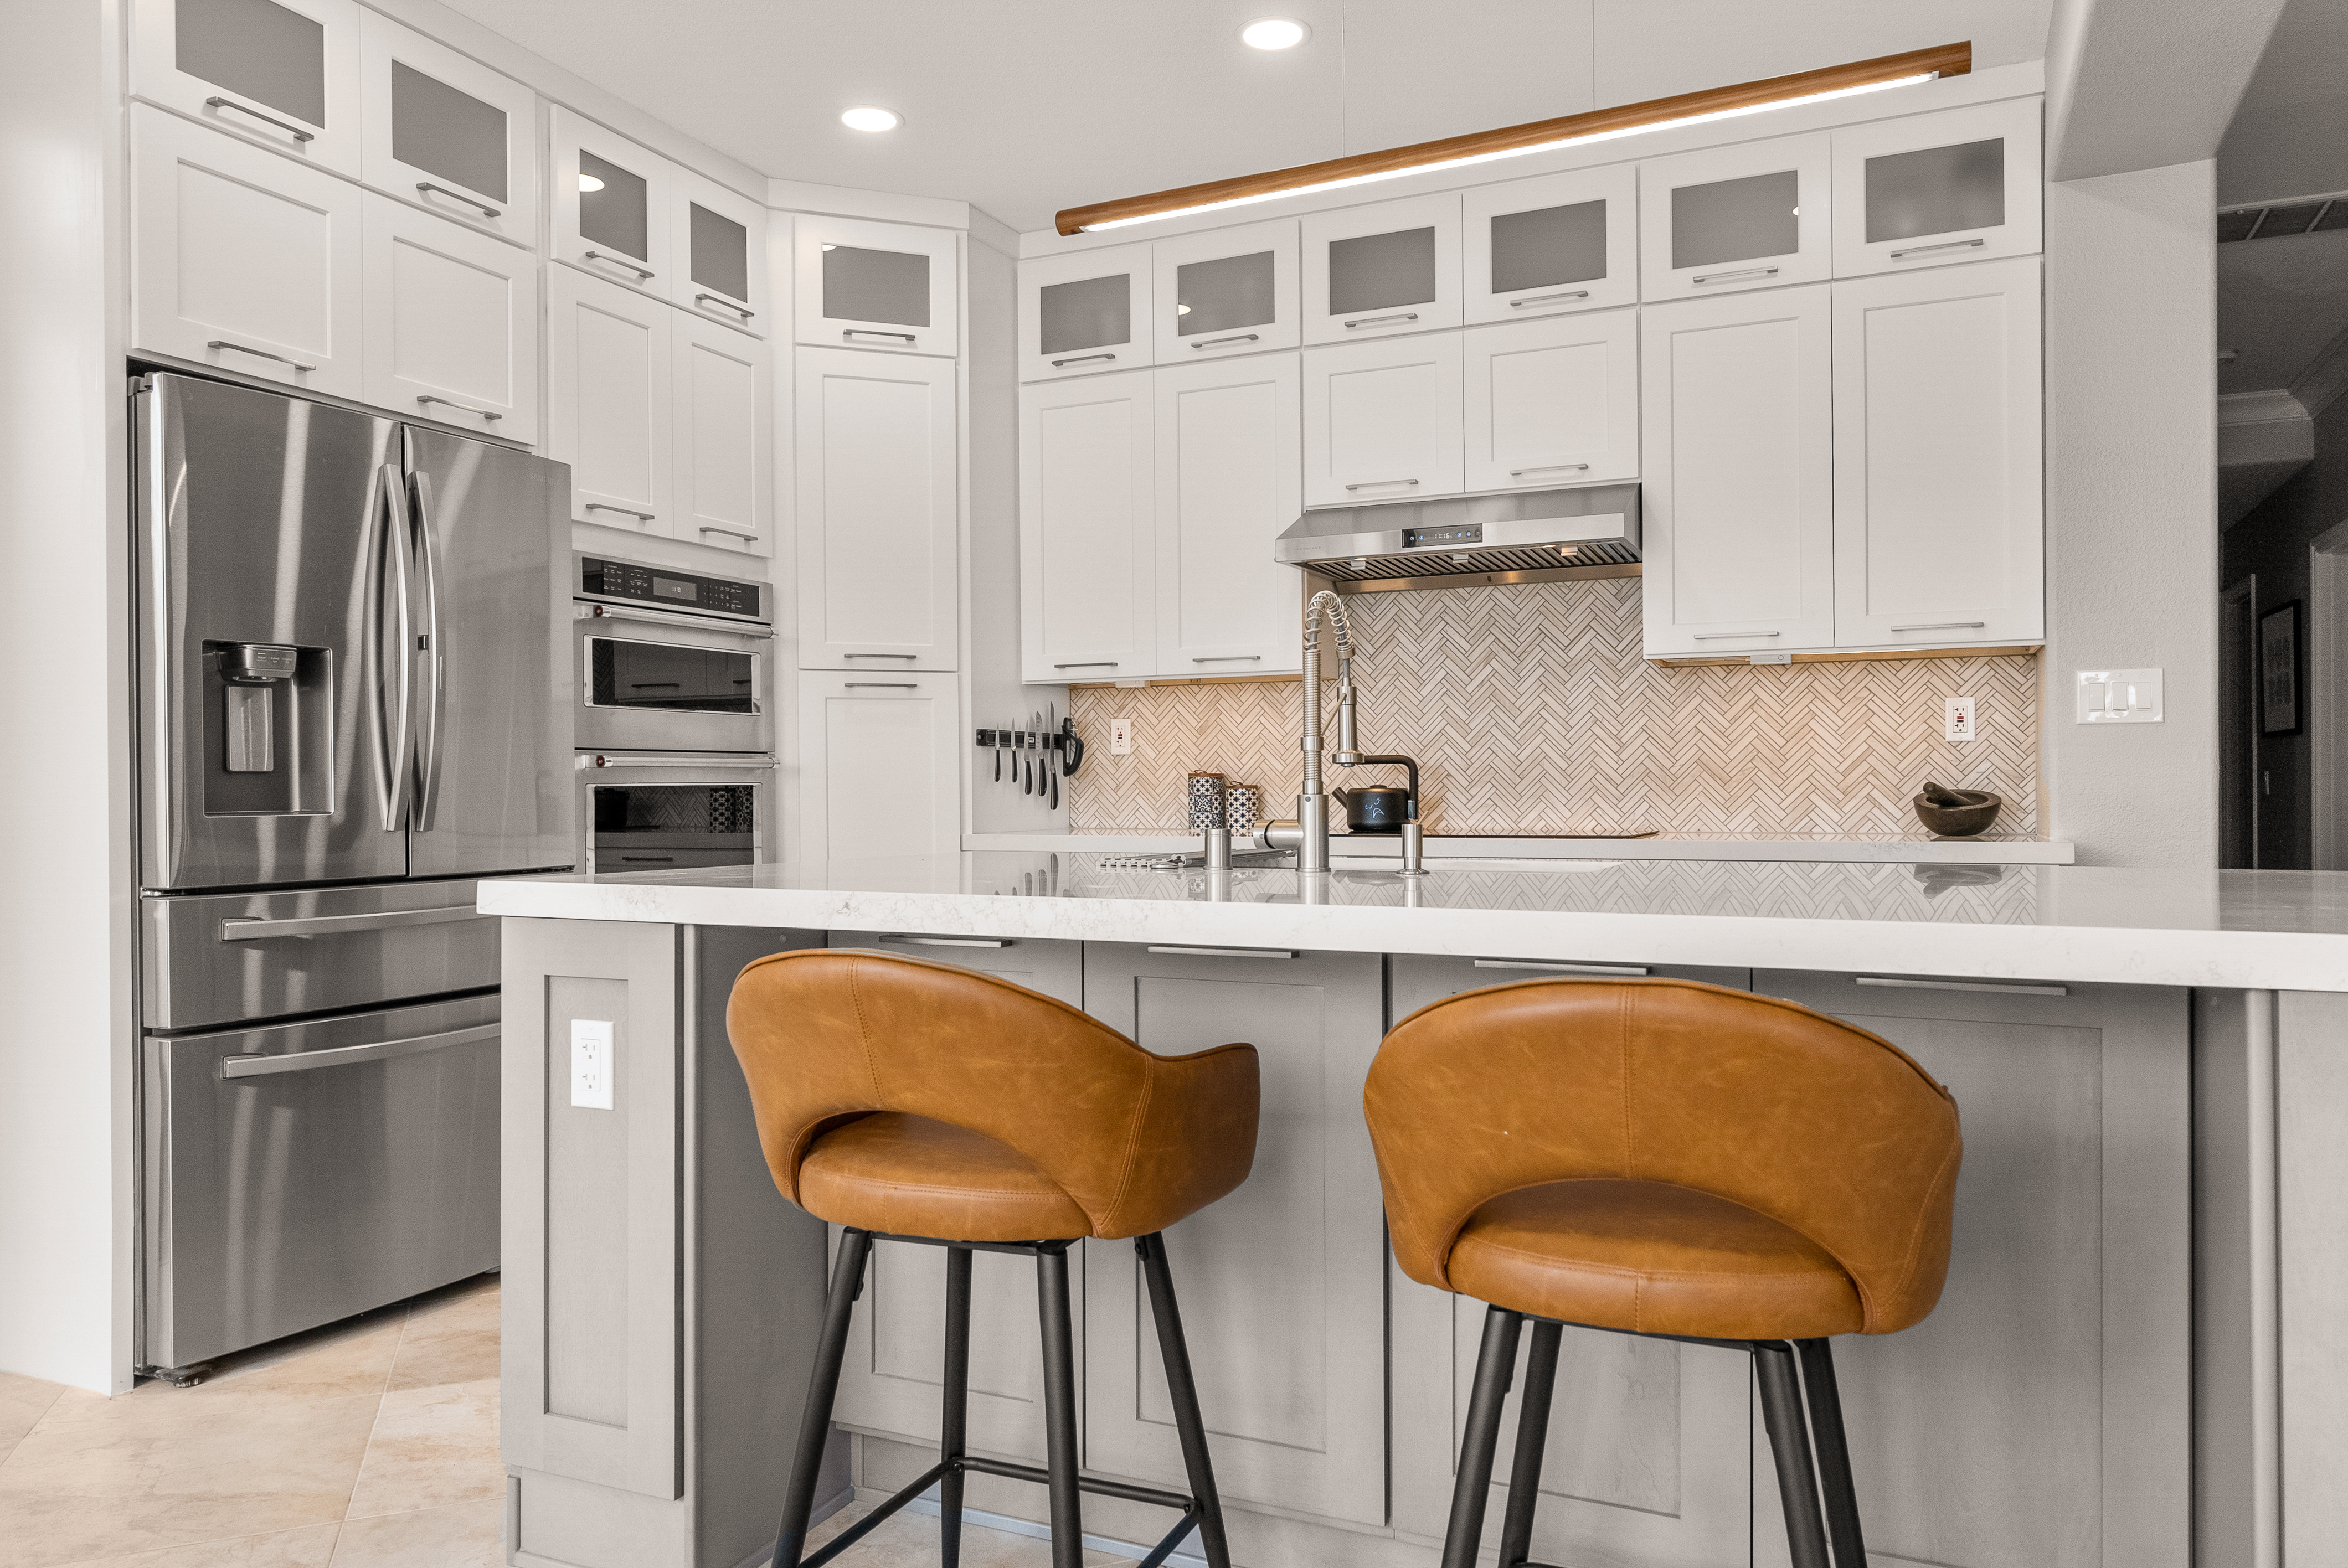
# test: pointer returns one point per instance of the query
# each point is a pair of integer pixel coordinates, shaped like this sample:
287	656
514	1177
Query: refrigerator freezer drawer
304	1173
225	959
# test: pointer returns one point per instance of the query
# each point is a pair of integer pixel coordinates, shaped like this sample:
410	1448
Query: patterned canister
1206	801
1242	809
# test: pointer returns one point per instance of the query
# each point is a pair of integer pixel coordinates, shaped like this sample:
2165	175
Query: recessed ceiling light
589	182
1274	33
867	117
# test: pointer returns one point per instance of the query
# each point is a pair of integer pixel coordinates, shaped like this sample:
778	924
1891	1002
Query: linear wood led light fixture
1541	136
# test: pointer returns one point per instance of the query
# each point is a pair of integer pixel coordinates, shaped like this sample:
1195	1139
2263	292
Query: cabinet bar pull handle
663	859
730	763
722	300
1242	337
1089	664
298	133
881	685
483	208
1232	952
1374	483
880	656
452	403
623	511
1714	636
1545	468
1542	300
620	261
345	1055
730	533
1381	320
1562	968
1962	986
852	333
1230	658
259	353
1081	359
1944	626
950	941
1747	273
1928	250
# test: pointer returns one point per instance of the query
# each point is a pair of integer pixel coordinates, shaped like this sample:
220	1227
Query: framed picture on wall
2279	710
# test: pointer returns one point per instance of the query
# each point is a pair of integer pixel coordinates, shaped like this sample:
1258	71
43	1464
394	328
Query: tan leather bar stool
1669	1159
916	1102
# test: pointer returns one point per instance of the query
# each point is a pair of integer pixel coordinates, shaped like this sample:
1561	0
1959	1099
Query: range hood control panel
1455	534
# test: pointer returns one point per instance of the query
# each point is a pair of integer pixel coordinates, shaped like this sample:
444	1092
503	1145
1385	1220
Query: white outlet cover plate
2119	697
591	1063
1120	737
1958	721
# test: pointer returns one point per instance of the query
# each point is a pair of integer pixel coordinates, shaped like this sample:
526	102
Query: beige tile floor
367	1444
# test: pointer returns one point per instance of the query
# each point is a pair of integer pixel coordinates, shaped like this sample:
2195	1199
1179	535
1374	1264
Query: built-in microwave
648	811
670	660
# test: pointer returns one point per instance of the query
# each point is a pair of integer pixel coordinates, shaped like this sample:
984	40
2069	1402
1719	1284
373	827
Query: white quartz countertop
2272	929
1922	849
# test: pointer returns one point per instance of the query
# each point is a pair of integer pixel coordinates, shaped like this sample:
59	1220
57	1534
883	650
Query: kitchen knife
1052	759
997	749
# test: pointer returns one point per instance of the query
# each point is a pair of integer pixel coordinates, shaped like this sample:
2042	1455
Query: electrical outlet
591	1063
1120	737
1957	720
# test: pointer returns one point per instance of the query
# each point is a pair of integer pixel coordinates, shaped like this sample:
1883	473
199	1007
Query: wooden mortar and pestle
1956	813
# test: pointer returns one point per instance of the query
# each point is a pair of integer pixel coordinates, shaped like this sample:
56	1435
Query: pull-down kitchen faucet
1308	834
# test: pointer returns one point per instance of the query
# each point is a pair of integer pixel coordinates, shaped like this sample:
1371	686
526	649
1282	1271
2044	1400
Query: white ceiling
1021	109
2289	135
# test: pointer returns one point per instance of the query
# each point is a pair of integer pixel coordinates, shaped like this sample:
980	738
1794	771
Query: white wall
65	1043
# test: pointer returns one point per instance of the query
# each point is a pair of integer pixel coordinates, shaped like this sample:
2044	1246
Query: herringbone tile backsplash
1530	709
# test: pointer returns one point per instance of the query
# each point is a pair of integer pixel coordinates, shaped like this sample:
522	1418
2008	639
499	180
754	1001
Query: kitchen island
2134	1361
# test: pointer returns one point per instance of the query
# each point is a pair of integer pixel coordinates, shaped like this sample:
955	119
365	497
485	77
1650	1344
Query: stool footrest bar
856	1531
1040	1476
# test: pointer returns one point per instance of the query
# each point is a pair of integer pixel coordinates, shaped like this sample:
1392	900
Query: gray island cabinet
2100	1384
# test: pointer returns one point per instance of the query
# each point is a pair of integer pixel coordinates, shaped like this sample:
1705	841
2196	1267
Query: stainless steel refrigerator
352	703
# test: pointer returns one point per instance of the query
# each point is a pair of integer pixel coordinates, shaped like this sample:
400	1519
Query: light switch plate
591	1063
2119	697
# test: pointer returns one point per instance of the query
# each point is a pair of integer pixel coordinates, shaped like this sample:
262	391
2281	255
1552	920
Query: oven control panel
629	583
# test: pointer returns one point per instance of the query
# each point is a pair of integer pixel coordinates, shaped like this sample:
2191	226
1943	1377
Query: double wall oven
674	725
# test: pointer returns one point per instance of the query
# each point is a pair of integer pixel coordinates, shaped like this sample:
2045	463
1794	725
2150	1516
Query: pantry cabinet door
1087	599
1750	215
610	369
1228	483
1382	421
281	74
887	286
1552	402
880	765
451	323
720	245
1227	292
610	212
1939	483
1961	184
878	486
241	258
448	134
722	390
1379	270
1737	473
1542	247
1085	314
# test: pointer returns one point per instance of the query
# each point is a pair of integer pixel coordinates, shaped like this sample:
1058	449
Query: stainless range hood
1467	541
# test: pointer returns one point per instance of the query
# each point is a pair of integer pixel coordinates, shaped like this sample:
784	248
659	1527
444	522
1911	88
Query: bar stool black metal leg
1060	1407
1532	1438
1834	1452
955	1421
1496	1369
1789	1443
823	1385
1175	1351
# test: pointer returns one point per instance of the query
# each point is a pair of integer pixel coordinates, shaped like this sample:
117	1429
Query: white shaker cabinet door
1383	269
1085	314
1552	402
609	373
1226	293
880	765
1228	483
1559	243
451	323
610	210
877	482
1923	191
1737	476
1749	215
448	134
1939	483
281	74
888	286
722	390
720	245
1087	504
243	260
1382	421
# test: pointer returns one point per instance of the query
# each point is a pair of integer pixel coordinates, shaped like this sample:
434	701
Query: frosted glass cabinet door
243	260
284	74
1227	292
880	765
1228	483
1962	185
1087	603
1541	247
1752	215
1737	473
1378	271
1938	487
451	323
448	134
611	204
719	241
889	286
1085	314
608	408
722	390
1552	402
1382	421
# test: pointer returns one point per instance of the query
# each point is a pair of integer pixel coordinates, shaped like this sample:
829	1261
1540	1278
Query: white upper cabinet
612	204
1552	402
451	323
1086	556
242	259
1560	242
1961	184
1227	292
877	481
281	73
720	246
1382	421
1737	477
876	285
1227	485
1938	481
609	371
722	392
447	134
1085	314
1381	269
1753	215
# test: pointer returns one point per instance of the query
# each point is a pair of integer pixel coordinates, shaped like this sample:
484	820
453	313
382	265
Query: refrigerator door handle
436	661
394	734
345	1055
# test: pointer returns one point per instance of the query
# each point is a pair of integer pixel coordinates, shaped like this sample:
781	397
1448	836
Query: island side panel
2311	1213
2237	1430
